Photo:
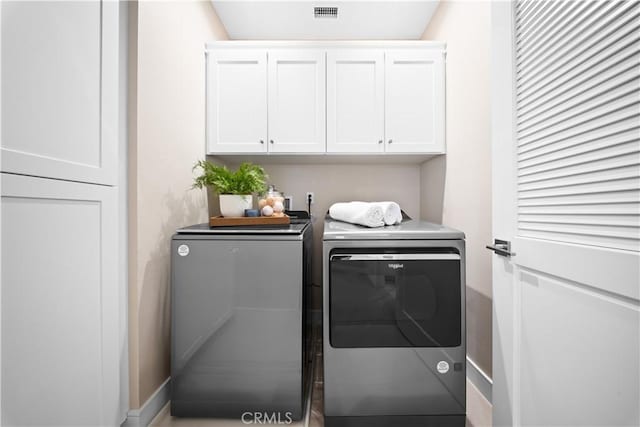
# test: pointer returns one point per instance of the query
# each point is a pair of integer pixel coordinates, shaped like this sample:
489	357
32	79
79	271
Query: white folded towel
361	213
392	212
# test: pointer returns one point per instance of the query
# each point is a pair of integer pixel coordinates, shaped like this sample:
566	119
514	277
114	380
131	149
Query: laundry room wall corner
456	188
167	136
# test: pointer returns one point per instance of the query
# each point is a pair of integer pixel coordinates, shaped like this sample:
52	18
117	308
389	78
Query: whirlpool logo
395	266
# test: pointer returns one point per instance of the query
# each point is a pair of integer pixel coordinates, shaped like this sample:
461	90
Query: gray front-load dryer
394	325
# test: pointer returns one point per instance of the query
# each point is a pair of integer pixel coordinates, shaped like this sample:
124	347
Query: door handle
502	247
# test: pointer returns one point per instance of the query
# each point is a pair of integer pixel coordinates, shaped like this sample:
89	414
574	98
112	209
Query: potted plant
235	188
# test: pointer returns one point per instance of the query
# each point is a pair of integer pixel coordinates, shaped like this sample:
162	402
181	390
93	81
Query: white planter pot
234	205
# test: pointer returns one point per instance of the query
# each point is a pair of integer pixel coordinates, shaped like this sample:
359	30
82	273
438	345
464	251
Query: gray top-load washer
394	325
239	321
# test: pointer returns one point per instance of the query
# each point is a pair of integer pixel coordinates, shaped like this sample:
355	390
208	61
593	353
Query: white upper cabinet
296	101
60	90
355	101
414	101
236	101
365	98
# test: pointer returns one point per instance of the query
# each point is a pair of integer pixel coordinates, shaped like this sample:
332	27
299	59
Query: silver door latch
502	247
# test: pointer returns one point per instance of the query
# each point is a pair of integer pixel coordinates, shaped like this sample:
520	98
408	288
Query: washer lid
296	227
409	229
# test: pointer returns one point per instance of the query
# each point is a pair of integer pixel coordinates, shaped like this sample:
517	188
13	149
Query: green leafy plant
247	179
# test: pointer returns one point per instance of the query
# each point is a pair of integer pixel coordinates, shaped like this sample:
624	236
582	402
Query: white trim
479	379
479	410
504	219
375	44
327	158
0	219
148	411
123	230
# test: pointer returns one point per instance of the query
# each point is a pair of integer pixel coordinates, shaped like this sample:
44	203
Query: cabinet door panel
60	89
236	101
60	322
414	107
355	101
297	101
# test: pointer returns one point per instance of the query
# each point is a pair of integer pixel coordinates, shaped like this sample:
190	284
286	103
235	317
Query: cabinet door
60	346
60	89
414	101
297	101
236	101
355	101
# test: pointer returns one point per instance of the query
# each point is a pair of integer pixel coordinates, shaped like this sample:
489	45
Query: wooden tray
235	221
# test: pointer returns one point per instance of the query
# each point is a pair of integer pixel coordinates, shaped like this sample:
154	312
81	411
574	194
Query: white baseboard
480	379
142	417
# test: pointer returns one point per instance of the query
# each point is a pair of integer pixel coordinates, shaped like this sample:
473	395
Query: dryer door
395	299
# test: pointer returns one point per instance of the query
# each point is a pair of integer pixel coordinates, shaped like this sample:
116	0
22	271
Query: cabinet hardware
271	141
262	141
380	142
390	141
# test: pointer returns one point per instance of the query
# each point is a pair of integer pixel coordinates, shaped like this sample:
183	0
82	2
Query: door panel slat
621	196
584	117
577	88
563	44
627	233
528	8
588	42
582	219
627	184
549	15
616	133
558	32
602	241
605	161
610	69
589	177
560	103
625	93
575	128
582	209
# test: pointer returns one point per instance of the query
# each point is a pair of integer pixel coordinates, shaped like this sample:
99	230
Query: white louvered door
566	194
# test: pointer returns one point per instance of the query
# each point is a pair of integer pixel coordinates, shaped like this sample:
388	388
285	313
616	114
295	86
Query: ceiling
294	19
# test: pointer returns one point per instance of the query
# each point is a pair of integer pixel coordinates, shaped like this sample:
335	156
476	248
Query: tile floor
478	408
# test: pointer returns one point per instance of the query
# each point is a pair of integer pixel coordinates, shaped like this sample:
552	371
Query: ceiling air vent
325	12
